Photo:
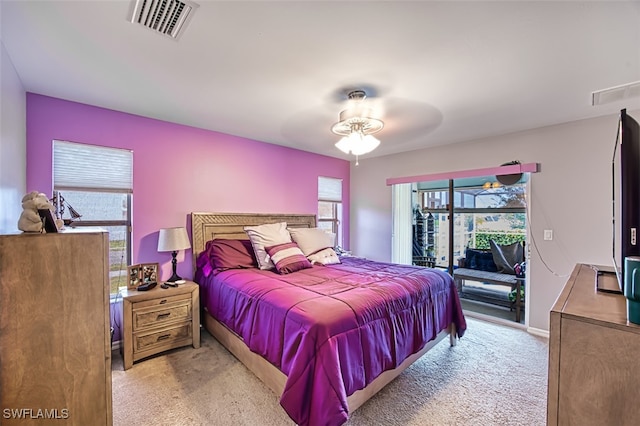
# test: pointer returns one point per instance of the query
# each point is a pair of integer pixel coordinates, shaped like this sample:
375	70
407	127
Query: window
330	206
480	215
98	183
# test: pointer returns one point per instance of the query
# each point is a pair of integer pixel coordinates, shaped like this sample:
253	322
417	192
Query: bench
494	283
513	282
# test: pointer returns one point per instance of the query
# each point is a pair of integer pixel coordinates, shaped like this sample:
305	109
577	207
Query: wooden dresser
55	349
160	319
594	355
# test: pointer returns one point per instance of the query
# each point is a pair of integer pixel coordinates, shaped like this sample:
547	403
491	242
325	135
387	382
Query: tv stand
593	355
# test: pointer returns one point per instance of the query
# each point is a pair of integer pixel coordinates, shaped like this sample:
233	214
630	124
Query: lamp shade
173	239
357	144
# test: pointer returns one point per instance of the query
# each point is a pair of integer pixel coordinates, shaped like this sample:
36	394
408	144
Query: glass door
481	213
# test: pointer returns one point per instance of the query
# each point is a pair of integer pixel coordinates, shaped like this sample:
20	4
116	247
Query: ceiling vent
617	93
167	17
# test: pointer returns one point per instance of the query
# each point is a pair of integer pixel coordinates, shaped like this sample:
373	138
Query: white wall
571	195
13	145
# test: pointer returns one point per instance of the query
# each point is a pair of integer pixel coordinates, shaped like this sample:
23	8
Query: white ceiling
436	72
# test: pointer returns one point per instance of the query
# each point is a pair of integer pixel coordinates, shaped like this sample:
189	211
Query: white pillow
324	257
312	240
267	235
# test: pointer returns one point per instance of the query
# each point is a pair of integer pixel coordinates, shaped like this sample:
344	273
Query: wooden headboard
208	226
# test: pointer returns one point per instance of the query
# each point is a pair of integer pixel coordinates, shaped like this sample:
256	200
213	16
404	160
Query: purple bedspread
333	329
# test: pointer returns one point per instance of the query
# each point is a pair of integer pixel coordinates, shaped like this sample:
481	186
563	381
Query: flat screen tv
626	193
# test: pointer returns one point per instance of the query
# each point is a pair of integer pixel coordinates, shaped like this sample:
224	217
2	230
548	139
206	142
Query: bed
315	336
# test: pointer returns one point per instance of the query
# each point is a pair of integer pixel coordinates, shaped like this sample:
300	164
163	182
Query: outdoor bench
498	293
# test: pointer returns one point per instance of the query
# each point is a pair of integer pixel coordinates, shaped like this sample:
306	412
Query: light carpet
495	375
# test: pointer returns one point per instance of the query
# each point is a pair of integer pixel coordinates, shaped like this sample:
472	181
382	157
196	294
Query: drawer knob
163	337
163	301
163	316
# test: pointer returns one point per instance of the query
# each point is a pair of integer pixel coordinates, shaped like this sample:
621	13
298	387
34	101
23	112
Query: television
626	193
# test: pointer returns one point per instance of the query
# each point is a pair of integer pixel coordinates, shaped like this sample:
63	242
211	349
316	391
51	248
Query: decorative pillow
226	254
203	262
482	260
506	257
267	235
324	257
288	258
312	240
234	254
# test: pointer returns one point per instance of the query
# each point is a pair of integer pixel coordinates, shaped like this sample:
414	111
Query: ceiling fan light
356	125
344	145
365	145
357	144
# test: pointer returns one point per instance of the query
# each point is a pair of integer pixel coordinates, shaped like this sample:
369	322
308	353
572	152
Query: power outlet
548	234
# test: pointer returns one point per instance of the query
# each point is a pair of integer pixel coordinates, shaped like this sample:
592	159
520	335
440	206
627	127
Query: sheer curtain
401	245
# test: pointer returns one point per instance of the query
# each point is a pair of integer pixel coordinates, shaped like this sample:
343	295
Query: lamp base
174	263
174	278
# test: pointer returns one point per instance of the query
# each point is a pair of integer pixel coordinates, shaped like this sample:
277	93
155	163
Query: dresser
159	319
594	355
55	349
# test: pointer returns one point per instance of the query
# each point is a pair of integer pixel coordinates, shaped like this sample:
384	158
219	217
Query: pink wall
179	169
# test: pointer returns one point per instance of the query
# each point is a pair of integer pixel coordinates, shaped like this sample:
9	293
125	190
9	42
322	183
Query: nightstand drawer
160	301
165	337
153	316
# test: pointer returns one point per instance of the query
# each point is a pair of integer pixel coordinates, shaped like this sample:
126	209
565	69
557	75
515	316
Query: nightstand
160	319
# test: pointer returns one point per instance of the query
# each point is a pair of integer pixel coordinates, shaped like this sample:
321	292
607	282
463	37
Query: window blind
78	166
329	189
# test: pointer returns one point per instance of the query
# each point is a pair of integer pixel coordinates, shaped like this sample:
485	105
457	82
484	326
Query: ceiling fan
363	108
357	126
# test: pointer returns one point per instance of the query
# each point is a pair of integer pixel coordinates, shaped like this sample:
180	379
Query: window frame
86	183
334	220
126	223
336	208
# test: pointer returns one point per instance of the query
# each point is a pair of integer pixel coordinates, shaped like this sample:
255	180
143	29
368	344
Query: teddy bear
30	220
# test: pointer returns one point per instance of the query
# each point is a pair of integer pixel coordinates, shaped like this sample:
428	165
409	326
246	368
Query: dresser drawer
159	315
166	337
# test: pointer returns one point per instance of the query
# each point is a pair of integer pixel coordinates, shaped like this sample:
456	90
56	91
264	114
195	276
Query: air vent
616	93
167	17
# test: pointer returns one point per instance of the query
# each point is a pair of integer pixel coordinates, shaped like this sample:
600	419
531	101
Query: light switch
548	234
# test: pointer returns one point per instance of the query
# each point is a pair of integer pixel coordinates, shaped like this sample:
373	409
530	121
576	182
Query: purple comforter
333	329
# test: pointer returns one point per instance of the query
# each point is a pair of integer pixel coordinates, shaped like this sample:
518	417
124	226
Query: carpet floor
493	311
496	375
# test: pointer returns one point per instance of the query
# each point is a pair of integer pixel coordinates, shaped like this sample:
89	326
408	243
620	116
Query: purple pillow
231	254
288	258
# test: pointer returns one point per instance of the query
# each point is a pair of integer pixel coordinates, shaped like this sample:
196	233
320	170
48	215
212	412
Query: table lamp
173	239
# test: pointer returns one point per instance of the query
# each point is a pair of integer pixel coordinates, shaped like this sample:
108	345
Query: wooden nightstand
158	320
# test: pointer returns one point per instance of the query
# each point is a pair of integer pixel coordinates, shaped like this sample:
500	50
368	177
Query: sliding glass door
481	211
454	214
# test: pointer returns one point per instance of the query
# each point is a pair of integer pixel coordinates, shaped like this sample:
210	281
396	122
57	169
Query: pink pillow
231	254
288	258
